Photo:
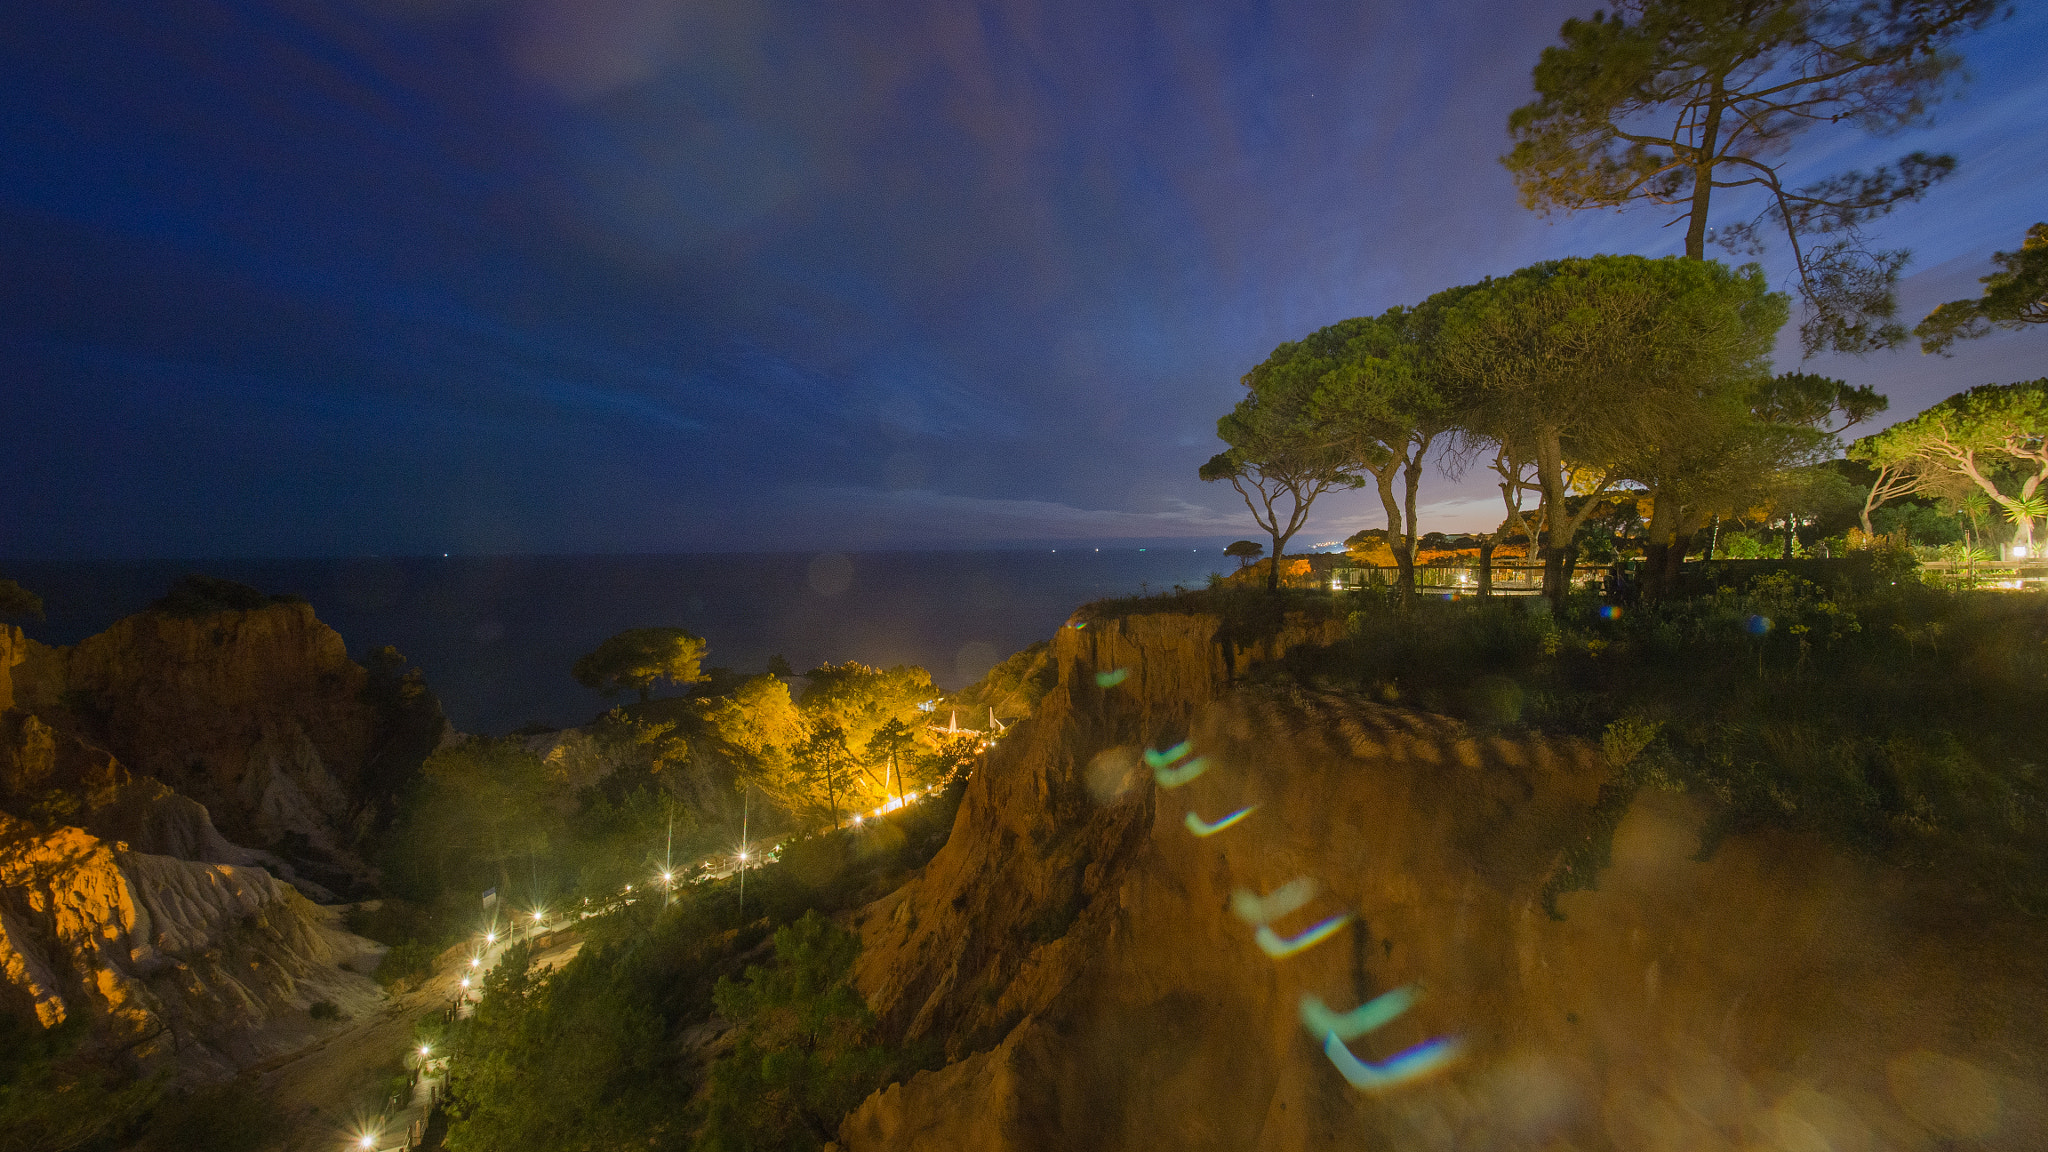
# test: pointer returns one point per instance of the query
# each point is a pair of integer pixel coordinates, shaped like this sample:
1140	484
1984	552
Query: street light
490	937
476	961
425	1050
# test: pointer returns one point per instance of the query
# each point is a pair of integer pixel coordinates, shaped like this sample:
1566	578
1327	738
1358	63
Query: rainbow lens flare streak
1321	1021
1111	678
1401	1068
1279	949
1201	827
1175	777
1168	757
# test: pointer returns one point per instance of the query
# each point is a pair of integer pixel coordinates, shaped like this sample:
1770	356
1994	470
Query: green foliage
2014	296
580	1058
406	964
1991	440
803	1059
479	809
597	1055
223	1118
639	657
53	1099
1592	373
1013	687
859	700
1280	457
198	596
1664	101
1901	721
19	602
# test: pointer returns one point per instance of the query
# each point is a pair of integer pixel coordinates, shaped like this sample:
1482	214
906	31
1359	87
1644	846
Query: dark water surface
496	635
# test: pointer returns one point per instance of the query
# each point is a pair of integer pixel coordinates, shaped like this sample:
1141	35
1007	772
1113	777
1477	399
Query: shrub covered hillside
698	1023
1905	722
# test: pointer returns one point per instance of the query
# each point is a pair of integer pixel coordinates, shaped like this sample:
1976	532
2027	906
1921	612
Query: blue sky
415	276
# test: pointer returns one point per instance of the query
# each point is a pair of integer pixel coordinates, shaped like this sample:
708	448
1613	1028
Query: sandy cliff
1077	946
121	901
257	715
204	966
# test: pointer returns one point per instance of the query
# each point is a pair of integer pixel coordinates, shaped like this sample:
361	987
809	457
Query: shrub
406	964
325	1010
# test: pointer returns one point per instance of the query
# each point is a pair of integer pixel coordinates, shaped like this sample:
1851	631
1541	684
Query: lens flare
1175	777
1201	827
1289	897
1272	944
1413	1064
1320	1021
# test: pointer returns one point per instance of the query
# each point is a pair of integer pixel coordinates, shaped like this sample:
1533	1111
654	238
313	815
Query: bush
197	596
325	1010
224	1118
1902	722
406	964
803	1059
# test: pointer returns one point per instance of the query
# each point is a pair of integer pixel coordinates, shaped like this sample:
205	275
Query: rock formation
256	714
1075	945
205	967
121	901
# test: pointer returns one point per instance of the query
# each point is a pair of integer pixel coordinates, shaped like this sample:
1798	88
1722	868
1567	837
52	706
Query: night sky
424	276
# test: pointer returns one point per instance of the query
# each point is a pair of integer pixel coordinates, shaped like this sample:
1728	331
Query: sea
496	635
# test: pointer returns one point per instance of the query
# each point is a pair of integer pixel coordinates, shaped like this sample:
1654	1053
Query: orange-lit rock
257	715
210	965
1075	946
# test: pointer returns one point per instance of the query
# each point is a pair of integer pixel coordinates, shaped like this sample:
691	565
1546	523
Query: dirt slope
1076	945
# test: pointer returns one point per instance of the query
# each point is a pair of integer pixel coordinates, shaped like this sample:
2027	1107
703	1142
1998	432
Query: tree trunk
1273	573
1655	554
831	792
1554	588
1411	477
1404	561
1674	561
1713	535
1486	547
1703	177
1788	537
1557	519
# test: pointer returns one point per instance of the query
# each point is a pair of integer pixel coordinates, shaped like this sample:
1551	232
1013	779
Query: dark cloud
304	278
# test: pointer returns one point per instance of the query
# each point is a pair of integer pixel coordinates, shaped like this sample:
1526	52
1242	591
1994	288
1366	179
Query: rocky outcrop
1075	945
256	714
200	967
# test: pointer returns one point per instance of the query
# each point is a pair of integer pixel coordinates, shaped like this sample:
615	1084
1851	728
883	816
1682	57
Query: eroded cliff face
259	716
201	967
1076	945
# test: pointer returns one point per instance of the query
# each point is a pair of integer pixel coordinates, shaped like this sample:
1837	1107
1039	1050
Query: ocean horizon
496	635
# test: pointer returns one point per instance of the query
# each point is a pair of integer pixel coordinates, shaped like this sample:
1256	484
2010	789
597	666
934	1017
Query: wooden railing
1509	579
